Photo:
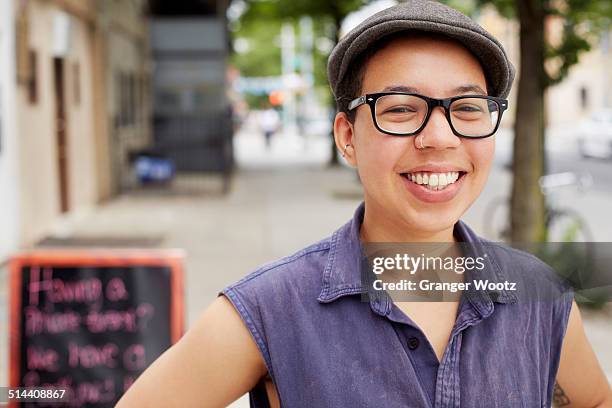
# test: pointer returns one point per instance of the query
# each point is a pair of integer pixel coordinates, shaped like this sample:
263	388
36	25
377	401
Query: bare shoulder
580	379
213	364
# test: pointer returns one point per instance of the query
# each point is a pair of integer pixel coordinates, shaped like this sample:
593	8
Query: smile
434	181
434	186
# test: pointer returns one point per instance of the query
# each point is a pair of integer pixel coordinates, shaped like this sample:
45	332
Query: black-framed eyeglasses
407	114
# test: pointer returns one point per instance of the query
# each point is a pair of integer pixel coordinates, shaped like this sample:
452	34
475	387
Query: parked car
595	135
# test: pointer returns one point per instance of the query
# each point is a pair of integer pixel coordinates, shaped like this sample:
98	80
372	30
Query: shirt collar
342	274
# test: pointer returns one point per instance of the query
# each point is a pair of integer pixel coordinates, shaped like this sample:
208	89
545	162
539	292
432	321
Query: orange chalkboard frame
172	258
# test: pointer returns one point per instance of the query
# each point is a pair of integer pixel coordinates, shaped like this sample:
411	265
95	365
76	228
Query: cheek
482	153
375	151
379	154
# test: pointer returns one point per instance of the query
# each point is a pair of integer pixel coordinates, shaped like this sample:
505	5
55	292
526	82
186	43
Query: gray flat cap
429	16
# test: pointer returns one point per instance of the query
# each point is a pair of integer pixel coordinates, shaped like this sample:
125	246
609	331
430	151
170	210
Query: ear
343	135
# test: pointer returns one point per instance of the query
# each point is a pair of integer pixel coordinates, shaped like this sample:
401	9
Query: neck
383	229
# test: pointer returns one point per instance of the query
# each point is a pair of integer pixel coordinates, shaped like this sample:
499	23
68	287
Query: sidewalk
280	201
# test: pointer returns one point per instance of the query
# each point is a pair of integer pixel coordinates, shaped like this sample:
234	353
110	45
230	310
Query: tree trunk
527	202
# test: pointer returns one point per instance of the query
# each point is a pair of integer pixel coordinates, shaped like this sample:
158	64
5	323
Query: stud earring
345	147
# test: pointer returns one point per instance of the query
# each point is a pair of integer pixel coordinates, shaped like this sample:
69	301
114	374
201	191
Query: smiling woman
433	150
416	122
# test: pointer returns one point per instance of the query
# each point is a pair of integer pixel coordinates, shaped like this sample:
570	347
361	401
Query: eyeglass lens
406	113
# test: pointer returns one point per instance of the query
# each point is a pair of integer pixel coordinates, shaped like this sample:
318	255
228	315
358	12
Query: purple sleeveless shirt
325	347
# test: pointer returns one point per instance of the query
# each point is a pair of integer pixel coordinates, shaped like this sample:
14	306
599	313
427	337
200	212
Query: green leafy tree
583	21
334	11
262	57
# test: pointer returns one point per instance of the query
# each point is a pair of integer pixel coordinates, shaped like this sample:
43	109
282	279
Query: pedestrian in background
269	122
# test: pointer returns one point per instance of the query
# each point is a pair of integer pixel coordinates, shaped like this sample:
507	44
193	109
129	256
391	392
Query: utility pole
607	63
289	76
308	100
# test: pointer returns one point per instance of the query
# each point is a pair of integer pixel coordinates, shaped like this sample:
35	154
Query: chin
430	222
434	227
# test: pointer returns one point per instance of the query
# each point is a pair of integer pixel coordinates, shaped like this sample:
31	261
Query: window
32	84
128	106
119	106
138	99
131	100
76	86
584	98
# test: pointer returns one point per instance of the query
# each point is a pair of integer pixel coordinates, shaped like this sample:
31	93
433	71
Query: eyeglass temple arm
356	102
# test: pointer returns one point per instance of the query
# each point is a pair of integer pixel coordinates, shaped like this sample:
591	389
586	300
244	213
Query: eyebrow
400	88
459	90
470	88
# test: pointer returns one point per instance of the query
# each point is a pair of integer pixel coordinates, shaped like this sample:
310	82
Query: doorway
61	132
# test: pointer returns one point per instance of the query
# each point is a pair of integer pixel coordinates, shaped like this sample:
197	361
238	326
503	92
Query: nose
437	132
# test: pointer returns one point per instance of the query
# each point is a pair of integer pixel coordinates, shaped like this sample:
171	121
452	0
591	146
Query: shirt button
413	343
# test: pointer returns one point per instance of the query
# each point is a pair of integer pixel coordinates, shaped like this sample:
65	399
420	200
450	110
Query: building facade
54	113
82	73
585	90
9	204
123	55
76	102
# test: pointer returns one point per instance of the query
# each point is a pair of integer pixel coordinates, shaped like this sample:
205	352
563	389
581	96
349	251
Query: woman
297	332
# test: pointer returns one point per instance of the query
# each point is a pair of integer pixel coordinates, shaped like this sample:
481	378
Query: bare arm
213	364
580	380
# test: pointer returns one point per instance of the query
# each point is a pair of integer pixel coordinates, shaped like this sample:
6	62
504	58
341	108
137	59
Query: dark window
124	100
132	99
128	99
125	104
32	77
119	106
584	98
139	101
76	75
145	94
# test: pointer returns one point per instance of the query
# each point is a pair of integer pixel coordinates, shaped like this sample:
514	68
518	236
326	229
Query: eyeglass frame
372	98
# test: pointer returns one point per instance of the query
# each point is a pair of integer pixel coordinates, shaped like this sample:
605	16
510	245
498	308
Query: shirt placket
448	386
473	308
447	381
447	392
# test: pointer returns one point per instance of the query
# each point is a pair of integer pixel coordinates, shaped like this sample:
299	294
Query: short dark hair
350	87
353	80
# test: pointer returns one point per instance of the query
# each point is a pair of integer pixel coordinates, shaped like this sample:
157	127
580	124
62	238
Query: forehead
427	64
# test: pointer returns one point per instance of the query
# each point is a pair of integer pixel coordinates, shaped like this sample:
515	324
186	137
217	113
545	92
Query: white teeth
442	179
434	181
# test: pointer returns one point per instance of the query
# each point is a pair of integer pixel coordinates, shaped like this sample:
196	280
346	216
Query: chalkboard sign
92	321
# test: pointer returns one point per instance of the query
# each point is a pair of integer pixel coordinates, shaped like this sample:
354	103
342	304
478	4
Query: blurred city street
204	126
281	200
